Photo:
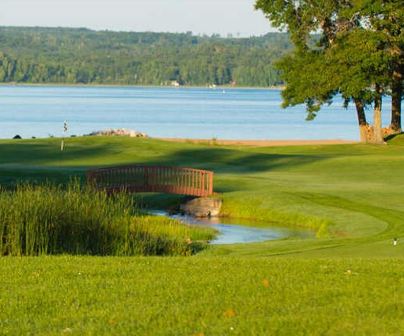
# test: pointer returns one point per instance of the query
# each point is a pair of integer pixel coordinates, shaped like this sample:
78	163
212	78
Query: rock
119	132
17	137
202	207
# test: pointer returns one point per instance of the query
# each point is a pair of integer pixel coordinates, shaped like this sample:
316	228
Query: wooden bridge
172	180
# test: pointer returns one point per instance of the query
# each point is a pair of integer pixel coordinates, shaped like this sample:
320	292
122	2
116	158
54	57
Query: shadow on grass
159	201
397	136
11	178
46	153
38	162
223	160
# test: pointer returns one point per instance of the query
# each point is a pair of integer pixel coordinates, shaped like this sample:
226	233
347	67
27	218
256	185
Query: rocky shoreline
119	132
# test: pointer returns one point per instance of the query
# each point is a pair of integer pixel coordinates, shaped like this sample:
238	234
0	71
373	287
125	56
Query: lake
168	112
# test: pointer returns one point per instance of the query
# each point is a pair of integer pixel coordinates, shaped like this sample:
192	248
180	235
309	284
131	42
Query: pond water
234	231
168	112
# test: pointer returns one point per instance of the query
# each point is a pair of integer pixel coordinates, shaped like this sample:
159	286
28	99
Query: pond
235	231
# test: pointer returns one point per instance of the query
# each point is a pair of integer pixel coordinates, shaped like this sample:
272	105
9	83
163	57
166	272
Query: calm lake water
168	112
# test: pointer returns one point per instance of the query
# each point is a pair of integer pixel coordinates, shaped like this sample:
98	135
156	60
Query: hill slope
67	55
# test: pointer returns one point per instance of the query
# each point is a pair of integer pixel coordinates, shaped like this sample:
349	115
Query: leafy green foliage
351	69
57	55
361	48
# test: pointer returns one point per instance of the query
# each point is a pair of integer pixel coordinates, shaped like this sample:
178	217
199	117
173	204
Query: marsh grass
155	235
51	219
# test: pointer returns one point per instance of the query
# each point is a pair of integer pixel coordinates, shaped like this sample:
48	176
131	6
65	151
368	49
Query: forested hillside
65	55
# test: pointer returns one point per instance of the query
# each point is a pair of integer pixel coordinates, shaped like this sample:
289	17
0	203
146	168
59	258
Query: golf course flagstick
62	145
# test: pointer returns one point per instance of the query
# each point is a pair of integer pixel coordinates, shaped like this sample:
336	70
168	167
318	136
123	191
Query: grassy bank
49	219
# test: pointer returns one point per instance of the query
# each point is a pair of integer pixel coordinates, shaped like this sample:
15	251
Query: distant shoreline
219	142
228	87
261	143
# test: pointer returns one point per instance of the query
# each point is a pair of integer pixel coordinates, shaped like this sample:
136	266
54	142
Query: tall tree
349	58
387	17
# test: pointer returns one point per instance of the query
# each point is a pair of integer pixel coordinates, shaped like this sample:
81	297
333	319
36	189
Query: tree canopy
359	54
64	55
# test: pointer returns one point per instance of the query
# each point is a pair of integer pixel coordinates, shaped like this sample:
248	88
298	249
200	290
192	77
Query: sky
237	17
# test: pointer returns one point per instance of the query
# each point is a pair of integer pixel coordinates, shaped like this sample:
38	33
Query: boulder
202	207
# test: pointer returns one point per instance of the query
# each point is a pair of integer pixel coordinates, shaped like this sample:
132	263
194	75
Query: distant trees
57	55
359	54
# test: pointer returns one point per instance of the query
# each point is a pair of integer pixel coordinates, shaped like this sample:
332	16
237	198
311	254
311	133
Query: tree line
83	56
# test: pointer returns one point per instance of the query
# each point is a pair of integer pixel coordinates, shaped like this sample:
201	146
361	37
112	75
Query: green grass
352	195
195	296
49	219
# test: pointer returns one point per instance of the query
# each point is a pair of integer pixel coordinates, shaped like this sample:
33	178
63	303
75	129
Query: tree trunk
396	94
377	137
363	125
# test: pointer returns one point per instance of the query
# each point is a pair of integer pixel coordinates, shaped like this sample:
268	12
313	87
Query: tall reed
50	219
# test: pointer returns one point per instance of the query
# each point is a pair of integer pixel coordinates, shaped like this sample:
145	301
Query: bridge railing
173	180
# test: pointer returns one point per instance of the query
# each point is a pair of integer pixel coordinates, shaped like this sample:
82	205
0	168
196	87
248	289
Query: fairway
347	280
351	195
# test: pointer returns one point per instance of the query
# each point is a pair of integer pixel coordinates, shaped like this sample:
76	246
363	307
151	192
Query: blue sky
237	17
